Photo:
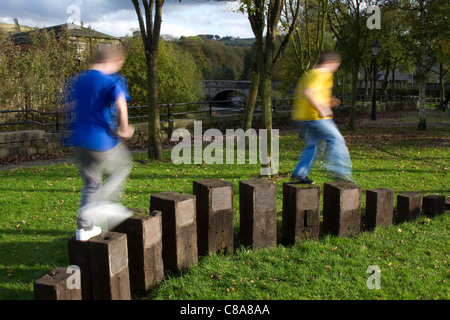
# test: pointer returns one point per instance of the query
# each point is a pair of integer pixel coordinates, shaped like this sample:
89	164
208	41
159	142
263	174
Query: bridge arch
229	95
220	90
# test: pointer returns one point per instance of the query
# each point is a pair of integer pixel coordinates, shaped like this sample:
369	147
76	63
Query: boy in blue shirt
99	100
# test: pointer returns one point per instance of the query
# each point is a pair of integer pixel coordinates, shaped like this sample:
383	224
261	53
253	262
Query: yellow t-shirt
321	83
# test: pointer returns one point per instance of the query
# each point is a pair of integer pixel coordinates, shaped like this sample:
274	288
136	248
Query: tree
439	38
426	17
348	24
311	33
217	60
419	10
396	48
150	27
179	79
9	59
194	46
43	67
311	36
264	17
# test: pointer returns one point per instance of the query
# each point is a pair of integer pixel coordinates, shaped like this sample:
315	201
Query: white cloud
119	23
206	18
117	17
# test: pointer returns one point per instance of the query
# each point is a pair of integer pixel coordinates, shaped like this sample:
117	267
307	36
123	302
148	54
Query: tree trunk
266	101
352	113
393	84
386	80
441	83
422	118
266	114
247	121
266	14
366	80
150	32
423	71
154	124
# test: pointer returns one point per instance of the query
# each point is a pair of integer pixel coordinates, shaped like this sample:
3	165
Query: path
406	119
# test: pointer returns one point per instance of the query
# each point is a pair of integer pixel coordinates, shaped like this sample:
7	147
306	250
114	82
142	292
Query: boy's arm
124	130
323	109
70	106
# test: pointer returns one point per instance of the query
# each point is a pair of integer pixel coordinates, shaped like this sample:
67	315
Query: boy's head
112	57
330	60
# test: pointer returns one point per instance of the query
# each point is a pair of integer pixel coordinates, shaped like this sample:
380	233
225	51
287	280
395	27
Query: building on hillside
82	36
402	80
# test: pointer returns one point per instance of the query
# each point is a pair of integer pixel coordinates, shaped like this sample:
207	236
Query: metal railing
61	120
32	114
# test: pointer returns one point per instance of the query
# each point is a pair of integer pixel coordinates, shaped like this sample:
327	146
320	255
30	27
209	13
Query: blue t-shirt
95	121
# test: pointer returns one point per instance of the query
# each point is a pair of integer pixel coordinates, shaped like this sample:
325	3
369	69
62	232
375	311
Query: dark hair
329	56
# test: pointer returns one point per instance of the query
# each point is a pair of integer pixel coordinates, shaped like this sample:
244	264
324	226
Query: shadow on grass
23	262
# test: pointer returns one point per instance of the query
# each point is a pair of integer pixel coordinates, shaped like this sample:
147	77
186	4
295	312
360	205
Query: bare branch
141	21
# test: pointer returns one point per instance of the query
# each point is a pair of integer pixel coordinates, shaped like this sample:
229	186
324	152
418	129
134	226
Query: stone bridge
221	90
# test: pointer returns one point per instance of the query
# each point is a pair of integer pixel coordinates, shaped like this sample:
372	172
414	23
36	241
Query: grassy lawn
39	204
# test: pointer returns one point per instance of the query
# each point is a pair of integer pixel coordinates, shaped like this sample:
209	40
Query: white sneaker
84	235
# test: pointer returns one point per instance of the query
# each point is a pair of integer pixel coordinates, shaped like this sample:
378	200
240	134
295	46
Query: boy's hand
335	102
326	113
125	133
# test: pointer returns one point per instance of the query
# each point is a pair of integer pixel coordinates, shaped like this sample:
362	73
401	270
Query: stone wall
30	142
39	142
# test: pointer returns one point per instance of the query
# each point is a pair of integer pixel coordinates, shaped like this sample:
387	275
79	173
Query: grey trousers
116	164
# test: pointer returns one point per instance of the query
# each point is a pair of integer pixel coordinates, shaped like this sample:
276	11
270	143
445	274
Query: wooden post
379	207
258	213
408	206
144	238
433	205
108	262
55	286
214	215
79	256
342	208
179	229
301	212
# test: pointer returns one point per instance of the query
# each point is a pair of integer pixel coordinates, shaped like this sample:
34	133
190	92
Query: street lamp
375	50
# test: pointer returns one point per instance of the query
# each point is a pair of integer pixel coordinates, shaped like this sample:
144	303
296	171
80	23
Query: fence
61	120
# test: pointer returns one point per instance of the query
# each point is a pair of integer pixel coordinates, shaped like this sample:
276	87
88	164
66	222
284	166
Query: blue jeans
337	155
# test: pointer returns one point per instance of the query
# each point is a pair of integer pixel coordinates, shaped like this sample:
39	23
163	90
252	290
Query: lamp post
375	50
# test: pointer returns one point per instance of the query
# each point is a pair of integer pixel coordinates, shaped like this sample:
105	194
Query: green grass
38	215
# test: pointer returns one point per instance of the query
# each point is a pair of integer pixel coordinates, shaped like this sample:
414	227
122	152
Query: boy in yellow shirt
314	117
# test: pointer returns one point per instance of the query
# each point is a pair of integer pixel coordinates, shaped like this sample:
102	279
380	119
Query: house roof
74	31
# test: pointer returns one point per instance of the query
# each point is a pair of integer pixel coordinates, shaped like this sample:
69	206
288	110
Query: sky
118	17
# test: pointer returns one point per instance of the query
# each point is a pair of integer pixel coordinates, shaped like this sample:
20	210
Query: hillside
11	27
237	42
229	40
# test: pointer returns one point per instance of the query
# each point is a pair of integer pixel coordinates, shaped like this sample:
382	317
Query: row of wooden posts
179	227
